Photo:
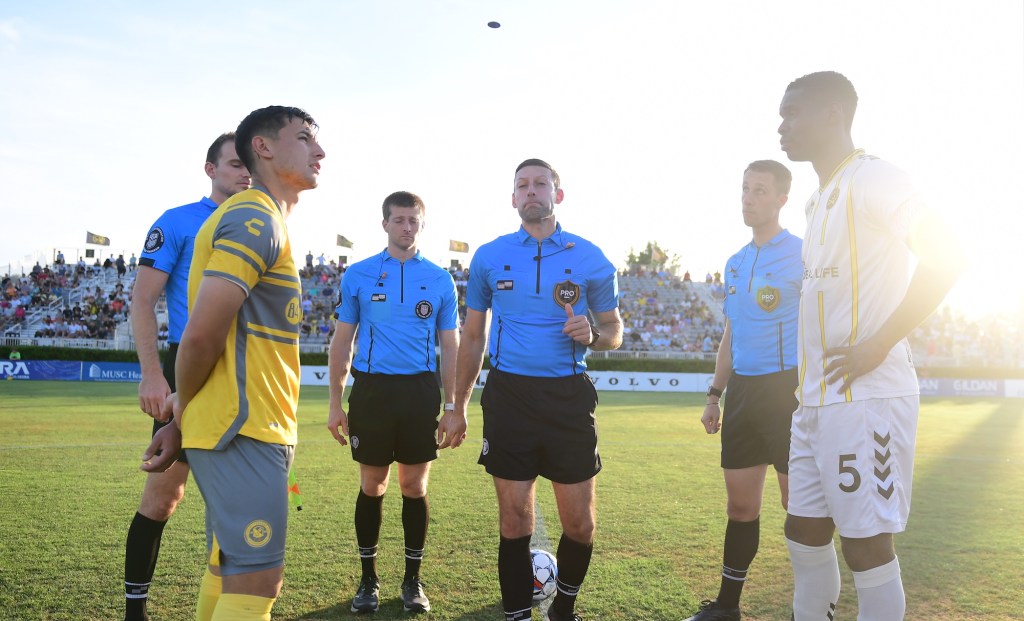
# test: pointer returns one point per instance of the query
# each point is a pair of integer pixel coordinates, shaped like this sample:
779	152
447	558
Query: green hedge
597	364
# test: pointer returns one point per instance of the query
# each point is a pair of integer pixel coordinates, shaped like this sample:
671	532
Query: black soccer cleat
711	611
367	597
413	598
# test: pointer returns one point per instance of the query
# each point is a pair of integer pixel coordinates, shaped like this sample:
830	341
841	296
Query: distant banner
457	246
68	371
41	370
111	372
945	387
344	242
316	376
98	240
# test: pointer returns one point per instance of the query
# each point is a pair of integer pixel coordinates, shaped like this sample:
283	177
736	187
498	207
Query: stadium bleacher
664	316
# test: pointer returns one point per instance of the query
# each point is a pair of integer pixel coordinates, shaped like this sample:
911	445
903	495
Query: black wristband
714	392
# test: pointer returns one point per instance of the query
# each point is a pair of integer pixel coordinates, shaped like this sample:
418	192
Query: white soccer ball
545	571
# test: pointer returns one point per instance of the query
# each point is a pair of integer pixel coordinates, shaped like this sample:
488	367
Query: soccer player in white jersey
852	446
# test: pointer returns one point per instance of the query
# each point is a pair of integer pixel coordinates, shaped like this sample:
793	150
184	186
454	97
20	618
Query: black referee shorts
540	426
756	420
172	355
393	418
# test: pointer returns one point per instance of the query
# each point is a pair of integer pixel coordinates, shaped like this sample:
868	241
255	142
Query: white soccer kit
851	455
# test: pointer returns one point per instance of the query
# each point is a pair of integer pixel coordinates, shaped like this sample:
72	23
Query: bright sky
650	111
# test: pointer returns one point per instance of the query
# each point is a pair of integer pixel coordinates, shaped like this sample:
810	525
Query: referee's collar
557	238
775	241
386	256
209	203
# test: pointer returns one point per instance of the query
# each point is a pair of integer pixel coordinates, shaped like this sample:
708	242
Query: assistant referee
402	305
756	369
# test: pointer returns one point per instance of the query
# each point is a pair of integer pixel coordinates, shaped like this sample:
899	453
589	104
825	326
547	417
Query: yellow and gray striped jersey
253	389
857	266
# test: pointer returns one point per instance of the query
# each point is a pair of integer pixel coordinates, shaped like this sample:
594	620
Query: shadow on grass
392	609
958	553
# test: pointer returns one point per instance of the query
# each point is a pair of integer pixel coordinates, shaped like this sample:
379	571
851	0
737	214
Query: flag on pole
293	491
457	246
344	242
658	255
99	240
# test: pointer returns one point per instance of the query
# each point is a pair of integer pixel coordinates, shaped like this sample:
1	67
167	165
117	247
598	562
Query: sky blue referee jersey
525	283
399	308
762	301
168	248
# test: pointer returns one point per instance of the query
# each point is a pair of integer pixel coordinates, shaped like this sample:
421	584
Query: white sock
880	593
815	581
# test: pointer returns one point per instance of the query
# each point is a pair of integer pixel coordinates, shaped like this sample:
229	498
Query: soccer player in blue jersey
551	296
164	267
400	305
237	373
852	443
756	369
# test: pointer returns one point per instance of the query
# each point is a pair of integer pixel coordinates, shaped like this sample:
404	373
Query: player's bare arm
339	361
712	417
940	262
214	312
451	429
153	389
470	357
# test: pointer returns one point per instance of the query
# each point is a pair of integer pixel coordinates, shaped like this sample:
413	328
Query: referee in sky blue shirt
396	305
756	368
551	297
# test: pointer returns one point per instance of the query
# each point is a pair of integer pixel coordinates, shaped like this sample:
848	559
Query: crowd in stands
949	338
46	291
661	312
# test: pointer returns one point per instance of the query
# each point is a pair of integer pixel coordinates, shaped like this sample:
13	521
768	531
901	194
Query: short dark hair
783	178
830	86
267	121
542	164
213	153
402	199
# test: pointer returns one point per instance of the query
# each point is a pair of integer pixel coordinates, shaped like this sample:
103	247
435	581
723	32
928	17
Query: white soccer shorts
854	463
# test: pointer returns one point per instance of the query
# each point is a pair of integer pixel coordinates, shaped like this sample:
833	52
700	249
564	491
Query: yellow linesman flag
457	246
99	240
344	242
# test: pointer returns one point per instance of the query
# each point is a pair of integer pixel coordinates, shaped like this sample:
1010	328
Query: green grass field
70	483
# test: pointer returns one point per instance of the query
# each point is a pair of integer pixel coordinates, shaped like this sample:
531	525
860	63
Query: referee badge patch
155	240
768	298
424	309
506	285
566	292
379	297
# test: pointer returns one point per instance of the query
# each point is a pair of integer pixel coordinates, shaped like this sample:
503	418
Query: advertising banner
111	372
41	370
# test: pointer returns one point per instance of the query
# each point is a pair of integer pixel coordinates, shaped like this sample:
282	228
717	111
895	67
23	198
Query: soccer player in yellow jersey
852	439
237	369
